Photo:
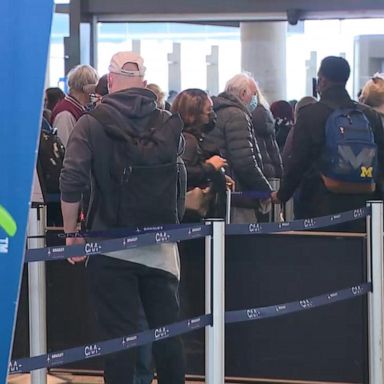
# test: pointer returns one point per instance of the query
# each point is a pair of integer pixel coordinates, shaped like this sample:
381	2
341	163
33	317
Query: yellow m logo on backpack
366	172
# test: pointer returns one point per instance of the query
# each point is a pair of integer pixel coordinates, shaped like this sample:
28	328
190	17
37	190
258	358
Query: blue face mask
252	104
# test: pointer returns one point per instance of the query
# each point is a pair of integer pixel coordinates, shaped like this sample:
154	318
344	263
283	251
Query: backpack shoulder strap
334	106
105	116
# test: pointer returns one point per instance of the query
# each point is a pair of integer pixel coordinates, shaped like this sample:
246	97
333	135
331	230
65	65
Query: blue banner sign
24	31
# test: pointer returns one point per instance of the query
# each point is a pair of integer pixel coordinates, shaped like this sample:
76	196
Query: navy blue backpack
349	159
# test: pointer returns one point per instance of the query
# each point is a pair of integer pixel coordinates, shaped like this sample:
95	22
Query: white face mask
251	106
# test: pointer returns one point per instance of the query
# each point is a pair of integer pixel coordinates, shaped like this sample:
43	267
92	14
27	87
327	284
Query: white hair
238	84
261	99
81	76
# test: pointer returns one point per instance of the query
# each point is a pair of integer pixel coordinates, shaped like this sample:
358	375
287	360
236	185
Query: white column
375	299
263	53
212	61
174	68
136	46
311	69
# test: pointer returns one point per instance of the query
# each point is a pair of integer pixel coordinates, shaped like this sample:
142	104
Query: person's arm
64	123
300	159
287	150
75	179
70	213
198	171
274	154
181	188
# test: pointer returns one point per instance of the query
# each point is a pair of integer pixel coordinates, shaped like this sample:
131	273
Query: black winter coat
264	128
199	173
235	138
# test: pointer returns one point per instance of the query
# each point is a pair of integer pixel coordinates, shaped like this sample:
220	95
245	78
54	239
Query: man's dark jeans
116	288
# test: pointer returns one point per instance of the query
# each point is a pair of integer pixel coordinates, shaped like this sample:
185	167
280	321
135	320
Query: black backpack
143	169
50	160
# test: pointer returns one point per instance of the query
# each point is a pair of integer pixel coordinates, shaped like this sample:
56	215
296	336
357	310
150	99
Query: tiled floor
68	378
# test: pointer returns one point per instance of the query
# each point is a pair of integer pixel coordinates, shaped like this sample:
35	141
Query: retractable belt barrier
297	225
130	241
253	194
173	233
88	351
102	348
168	234
297	306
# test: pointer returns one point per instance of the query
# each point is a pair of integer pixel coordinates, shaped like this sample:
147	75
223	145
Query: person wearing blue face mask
234	135
252	104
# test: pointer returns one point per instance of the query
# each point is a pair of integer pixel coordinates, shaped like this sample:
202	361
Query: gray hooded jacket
88	157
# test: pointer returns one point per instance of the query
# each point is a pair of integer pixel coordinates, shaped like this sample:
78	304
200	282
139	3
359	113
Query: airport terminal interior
203	44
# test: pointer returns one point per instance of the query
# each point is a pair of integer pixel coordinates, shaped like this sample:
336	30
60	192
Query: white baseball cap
119	59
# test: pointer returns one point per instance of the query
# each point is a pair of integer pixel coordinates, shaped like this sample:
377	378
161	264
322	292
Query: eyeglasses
94	98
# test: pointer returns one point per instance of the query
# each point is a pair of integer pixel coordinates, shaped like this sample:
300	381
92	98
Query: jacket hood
132	103
127	112
225	100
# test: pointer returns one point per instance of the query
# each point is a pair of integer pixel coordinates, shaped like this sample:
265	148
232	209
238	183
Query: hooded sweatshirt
90	152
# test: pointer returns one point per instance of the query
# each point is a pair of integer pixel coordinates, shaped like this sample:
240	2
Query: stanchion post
228	206
215	303
37	292
375	298
275	213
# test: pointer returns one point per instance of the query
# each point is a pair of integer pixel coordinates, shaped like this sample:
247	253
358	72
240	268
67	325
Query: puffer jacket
235	138
264	128
201	174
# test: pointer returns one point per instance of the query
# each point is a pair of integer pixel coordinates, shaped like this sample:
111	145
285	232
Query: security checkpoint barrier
214	318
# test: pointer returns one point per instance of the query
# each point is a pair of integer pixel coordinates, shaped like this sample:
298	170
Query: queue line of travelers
250	136
129	151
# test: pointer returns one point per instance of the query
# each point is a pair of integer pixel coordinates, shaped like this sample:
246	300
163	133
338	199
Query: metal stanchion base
26	379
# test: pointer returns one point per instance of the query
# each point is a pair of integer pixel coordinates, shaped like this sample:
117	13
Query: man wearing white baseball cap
130	149
119	61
